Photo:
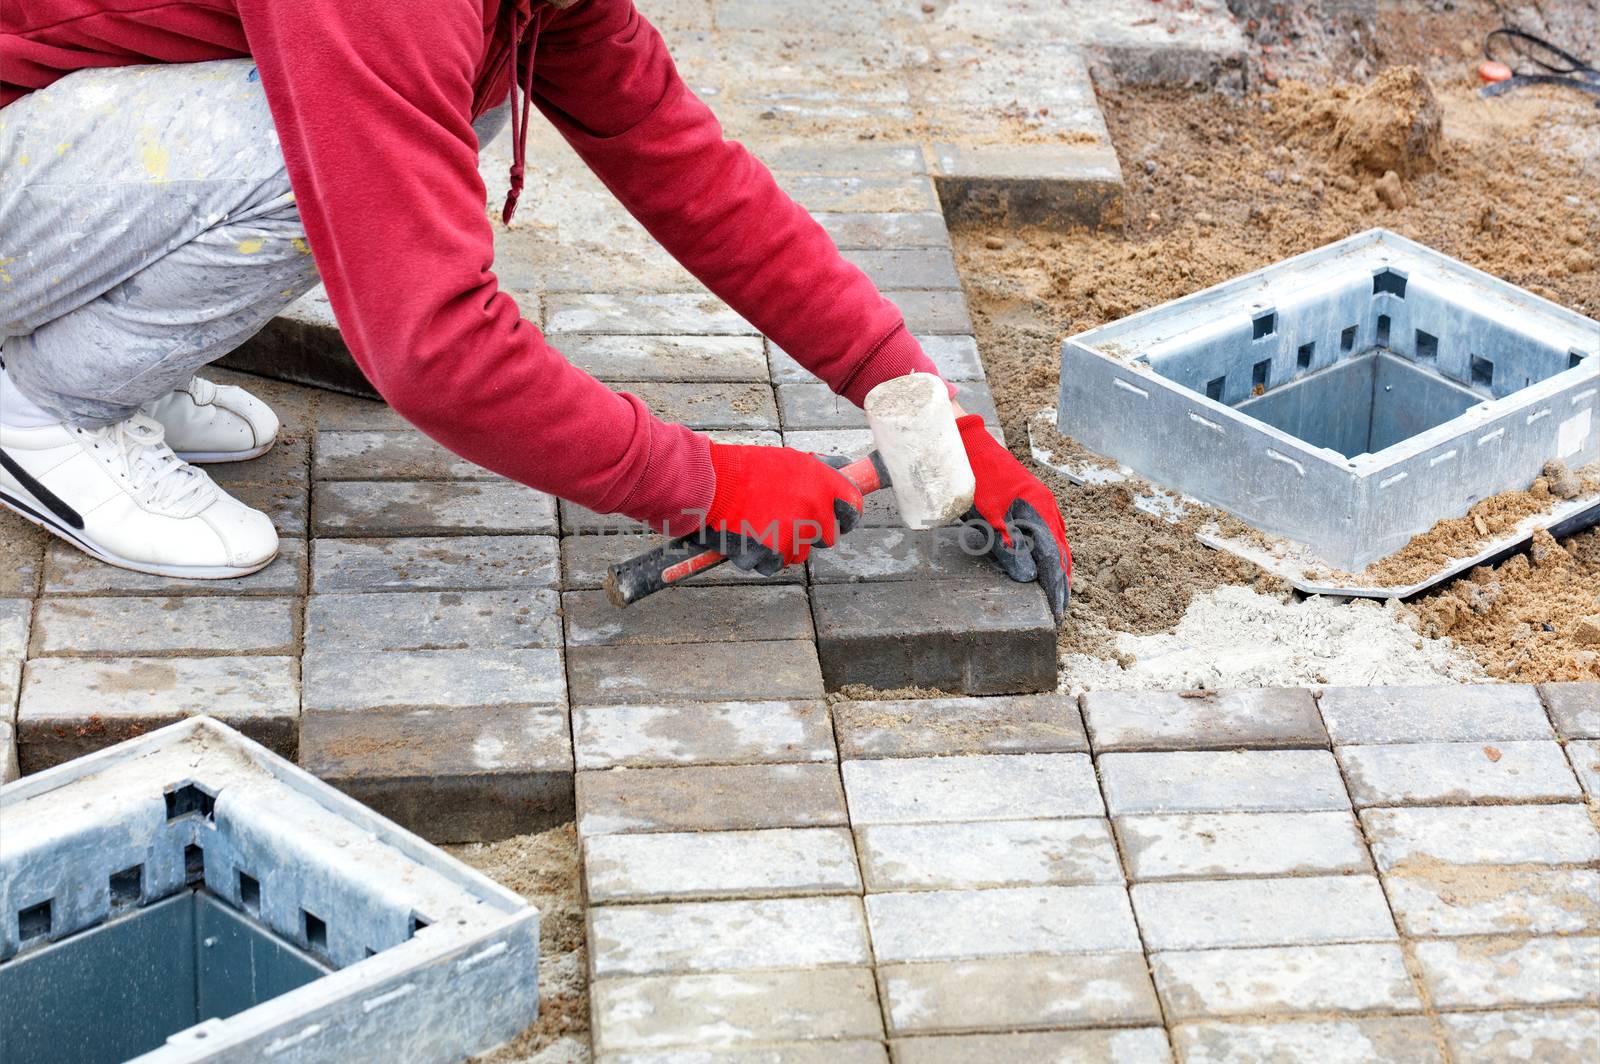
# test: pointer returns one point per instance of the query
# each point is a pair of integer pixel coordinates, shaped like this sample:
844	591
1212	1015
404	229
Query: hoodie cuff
896	356
674	493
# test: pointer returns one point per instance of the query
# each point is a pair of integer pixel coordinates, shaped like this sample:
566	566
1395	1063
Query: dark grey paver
769	863
1222	720
1224	781
975	787
1007	724
434	620
727	936
1225	913
361	455
1016	994
709	798
1457	713
289	462
1574	707
430	508
1280	980
585	557
688	615
1390	1038
732	405
434	563
69	571
1458	773
883	553
1027	184
933	312
715	733
363	680
667	358
1010	921
694	672
1216	845
907	268
287	505
133	625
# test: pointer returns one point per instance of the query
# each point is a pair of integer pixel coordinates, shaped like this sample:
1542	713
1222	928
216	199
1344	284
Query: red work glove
773	504
1032	540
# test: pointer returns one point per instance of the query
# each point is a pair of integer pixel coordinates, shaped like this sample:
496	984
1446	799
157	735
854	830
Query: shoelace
153	470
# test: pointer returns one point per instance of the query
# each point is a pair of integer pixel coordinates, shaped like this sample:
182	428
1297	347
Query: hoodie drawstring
521	78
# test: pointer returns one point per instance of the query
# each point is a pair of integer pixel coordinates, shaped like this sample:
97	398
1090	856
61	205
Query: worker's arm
602	75
371	100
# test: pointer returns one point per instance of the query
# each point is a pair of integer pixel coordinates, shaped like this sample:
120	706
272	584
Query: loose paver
1281	980
1351	1041
727	936
1017	993
1139	1045
1488	899
1224	913
1482	973
995	923
1570	1036
433	620
1009	724
131	625
683	866
1223	720
1222	781
434	563
688	615
1482	835
699	672
971	787
1575	708
1366	715
987	854
1217	845
1458	773
724	733
709	798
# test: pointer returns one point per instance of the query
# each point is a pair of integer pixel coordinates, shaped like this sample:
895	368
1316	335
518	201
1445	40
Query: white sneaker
119	494
208	422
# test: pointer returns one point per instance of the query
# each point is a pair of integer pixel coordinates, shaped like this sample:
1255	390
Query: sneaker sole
189	572
219	457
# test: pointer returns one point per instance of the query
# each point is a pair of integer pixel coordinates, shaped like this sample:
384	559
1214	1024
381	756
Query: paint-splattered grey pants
146	229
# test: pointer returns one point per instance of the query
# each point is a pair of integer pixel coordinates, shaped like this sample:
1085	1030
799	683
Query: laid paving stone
938	313
899	553
955	357
908	268
852	1052
885	229
734	405
9	769
709	798
457	774
720	733
860	193
1141	1045
434	563
1574	707
289	462
812	405
580	520
1551	1037
687	866
1015	994
345	455
822	158
434	620
73	706
672	314
585	559
69	571
1227	913
667	358
337	411
286	505
1025	184
15	617
970	788
1279	980
128	625
22	549
928	727
361	680
995	923
1266	781
733	1008
1481	835
688	615
1354	1041
1014	853
709	672
727	936
431	508
1216	845
1457	773
1500	972
1457	713
981	636
1225	720
1443	900
1585	758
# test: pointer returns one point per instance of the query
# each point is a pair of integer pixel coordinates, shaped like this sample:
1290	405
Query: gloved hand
773	504
1032	540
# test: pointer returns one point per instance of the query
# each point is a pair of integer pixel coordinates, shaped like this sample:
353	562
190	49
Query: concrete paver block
1585	757
955	356
885	229
1226	913
1352	1041
812	405
1447	900
1015	994
702	865
667	358
1009	921
980	637
129	625
709	798
73	706
1574	707
433	620
1226	720
302	344
585	559
822	157
430	508
69	571
1459	713
727	936
971	787
688	615
908	268
1457	773
829	1052
1565	1037
671	314
713	733
898	553
1266	781
409	455
861	193
1008	724
9	769
697	672
1006	853
16	616
1483	973
936	313
1217	845
286	505
736	405
22	550
1279	980
434	563
358	680
1481	835
1029	184
1138	1045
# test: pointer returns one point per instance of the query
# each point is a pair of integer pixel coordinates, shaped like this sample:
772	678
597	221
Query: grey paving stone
1585	757
688	615
673	314
1140	1045
971	787
433	620
1007	724
730	1008
908	267
1444	900
937	313
1457	773
709	798
1569	1036
1215	845
1006	853
1225	913
707	733
1500	972
361	680
872	553
823	158
585	559
979	637
1010	921
1574	707
1484	834
1015	994
577	519
336	411
73	706
69	571
860	193
734	405
812	405
434	563
667	358
1224	720
22	547
1265	781
885	229
1024	184
687	866
15	618
955	357
408	508
289	462
830	1052
287	505
1455	713
8	751
698	672
460	773
1391	1040
727	936
1279	980
127	625
362	455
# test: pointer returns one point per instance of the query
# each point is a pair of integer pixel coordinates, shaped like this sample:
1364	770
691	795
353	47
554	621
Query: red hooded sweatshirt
373	101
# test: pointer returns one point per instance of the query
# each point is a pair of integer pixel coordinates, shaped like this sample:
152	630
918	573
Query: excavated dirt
1217	187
